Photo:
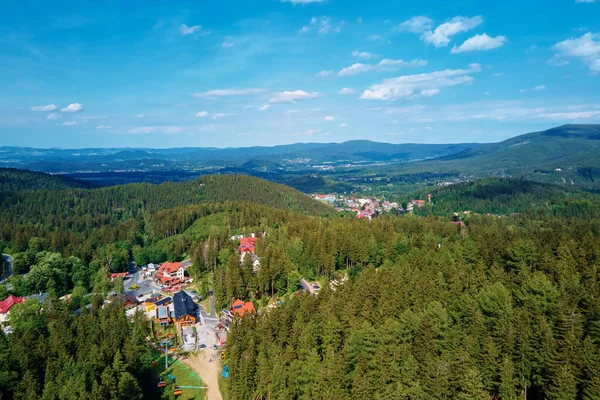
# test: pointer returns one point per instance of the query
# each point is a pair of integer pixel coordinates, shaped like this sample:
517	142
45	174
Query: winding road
9	267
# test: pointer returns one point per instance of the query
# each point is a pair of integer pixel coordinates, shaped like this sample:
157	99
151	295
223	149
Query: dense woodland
505	306
53	354
509	196
18	179
438	312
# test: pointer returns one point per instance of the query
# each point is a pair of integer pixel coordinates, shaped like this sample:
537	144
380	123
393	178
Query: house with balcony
185	310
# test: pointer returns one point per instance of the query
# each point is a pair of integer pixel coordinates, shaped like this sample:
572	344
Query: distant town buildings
365	208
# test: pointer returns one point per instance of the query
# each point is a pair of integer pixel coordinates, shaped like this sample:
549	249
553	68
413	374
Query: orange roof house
240	308
116	275
247	245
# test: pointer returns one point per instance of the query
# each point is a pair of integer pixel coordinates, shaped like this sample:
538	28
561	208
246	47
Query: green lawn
223	383
183	377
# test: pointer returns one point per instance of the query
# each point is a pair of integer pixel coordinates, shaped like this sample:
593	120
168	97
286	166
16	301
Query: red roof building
247	245
170	273
10	301
418	203
118	275
240	308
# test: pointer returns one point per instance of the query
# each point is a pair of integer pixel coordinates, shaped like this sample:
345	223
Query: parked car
202	346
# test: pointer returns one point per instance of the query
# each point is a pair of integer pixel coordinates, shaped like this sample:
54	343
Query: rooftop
184	305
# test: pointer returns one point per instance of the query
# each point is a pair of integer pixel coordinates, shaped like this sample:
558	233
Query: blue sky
266	72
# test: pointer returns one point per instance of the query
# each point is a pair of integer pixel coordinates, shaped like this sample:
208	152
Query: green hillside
248	189
506	196
565	155
19	179
318	184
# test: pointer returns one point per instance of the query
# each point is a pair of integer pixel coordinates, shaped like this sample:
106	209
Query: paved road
213	313
9	267
209	320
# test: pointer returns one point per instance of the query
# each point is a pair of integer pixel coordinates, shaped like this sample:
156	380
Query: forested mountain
564	155
507	196
503	308
53	354
62	238
157	159
18	179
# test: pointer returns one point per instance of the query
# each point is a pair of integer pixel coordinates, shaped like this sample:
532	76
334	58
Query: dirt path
208	371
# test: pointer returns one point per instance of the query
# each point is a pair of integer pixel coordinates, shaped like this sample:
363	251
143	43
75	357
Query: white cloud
227	42
343	125
322	25
585	1
169	130
212	94
292	96
480	42
422	85
71	108
103	127
557	61
49	107
497	74
265	107
294	2
440	37
202	114
363	54
146	130
384	65
571	115
69	123
540	87
140	115
143	130
417	24
375	38
346	91
190	30
522	90
53	116
324	74
221	115
586	48
330	118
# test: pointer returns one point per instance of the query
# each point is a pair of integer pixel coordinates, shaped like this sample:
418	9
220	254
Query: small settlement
366	208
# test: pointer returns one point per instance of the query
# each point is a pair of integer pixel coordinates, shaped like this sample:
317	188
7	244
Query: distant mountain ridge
566	154
68	160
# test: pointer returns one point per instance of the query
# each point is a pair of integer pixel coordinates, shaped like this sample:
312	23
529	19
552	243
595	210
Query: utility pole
165	343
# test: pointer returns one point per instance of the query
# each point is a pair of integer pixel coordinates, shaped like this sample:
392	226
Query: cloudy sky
264	72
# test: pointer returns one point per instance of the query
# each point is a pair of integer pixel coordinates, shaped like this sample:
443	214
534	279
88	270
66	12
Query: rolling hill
565	155
18	179
501	196
137	198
